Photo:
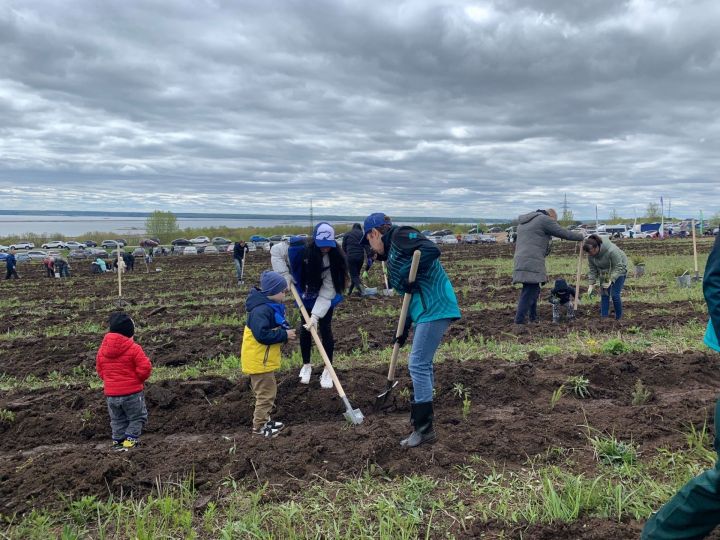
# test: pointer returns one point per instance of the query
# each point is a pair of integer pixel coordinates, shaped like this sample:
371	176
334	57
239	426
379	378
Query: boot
422	417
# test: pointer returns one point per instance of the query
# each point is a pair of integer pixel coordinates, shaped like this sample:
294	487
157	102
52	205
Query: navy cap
378	219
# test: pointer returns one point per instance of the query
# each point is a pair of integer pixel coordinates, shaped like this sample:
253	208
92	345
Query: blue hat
377	219
324	235
272	283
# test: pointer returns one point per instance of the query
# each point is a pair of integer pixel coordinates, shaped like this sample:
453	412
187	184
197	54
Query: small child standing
123	366
562	295
264	334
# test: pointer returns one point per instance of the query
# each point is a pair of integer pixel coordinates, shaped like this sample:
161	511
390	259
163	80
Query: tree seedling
556	395
641	394
579	385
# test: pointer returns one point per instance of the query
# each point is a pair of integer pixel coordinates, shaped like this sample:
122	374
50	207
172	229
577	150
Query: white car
200	240
487	239
189	250
23	245
75	245
4	249
211	250
55	244
37	255
449	239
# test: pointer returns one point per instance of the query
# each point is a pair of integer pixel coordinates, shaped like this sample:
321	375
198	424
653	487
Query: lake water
75	226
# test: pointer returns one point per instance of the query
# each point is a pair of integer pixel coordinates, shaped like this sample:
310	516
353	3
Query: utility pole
312	218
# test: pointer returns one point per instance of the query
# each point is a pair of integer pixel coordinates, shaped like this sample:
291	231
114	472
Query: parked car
23	245
74	245
96	252
495	230
3	255
286	237
79	254
189	250
109	244
442	232
277	238
487	239
257	238
426	233
200	240
121	241
470	238
22	258
449	239
211	250
181	242
54	244
475	230
37	255
90	243
220	241
3	249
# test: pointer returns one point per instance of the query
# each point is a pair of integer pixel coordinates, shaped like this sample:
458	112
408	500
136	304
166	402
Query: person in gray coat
534	232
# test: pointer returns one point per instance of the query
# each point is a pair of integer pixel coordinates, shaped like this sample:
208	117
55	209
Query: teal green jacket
711	290
434	298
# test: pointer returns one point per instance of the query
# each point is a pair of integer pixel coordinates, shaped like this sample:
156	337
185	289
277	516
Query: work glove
591	291
312	323
402	338
365	274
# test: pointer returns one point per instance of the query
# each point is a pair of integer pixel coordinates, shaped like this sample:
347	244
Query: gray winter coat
611	260
533	244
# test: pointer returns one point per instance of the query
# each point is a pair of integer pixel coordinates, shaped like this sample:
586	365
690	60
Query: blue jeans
238	268
426	340
614	293
128	415
527	303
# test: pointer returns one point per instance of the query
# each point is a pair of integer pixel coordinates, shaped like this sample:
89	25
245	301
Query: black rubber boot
422	418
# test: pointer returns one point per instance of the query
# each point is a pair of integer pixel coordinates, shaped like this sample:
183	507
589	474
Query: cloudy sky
423	107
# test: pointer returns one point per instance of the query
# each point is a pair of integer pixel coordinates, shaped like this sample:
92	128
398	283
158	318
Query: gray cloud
422	107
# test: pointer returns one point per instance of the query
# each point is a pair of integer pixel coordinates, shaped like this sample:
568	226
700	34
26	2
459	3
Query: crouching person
123	367
561	296
264	334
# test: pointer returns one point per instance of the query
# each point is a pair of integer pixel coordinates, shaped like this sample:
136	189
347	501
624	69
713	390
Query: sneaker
130	442
117	445
270	429
325	379
305	373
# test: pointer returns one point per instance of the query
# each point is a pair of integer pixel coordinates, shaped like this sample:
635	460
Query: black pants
527	303
326	336
354	267
11	272
50	271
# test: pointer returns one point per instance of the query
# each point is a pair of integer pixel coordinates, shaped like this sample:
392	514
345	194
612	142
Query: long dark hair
314	266
591	242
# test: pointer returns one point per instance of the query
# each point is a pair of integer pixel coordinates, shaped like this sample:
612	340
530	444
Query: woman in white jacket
318	269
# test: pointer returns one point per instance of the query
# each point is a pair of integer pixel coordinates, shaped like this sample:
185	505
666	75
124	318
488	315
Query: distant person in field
534	233
49	264
608	268
561	297
101	264
62	266
129	260
694	511
123	367
318	269
240	249
357	254
11	266
265	332
432	308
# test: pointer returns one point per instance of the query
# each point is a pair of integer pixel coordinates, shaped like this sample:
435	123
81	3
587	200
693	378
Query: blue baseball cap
324	235
377	219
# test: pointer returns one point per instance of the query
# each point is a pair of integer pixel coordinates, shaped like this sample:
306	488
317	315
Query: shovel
381	399
697	277
387	291
354	416
577	278
242	272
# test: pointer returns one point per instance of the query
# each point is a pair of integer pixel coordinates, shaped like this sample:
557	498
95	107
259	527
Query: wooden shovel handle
385	275
403	314
577	277
318	342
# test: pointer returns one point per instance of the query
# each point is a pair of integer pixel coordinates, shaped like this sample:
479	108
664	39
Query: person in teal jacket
694	511
432	308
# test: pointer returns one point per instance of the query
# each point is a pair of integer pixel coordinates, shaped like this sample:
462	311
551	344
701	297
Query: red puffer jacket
122	365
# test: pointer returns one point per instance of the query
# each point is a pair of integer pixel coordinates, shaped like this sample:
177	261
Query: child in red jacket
123	367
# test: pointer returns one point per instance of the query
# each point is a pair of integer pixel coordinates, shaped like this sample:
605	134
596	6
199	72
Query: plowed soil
58	440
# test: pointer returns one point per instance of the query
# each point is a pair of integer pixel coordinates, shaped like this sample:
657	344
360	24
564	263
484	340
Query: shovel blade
354	416
382	399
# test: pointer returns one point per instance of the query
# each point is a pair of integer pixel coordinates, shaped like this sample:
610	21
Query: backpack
297	258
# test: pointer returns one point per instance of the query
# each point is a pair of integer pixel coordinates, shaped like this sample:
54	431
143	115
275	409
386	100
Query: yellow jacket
258	358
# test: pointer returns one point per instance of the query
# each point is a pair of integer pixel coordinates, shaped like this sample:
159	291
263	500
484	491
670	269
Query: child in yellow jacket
265	332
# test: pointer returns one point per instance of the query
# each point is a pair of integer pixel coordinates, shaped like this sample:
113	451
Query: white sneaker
325	379
305	373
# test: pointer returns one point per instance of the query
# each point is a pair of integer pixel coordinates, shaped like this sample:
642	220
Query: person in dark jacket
11	263
534	233
123	367
239	250
562	296
265	332
357	254
432	308
129	260
694	511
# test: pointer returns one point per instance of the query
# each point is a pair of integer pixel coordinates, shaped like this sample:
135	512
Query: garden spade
697	273
242	272
381	399
387	291
354	416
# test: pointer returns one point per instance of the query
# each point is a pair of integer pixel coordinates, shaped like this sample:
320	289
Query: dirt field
191	312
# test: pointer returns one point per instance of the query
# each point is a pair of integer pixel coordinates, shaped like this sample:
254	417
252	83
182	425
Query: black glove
402	338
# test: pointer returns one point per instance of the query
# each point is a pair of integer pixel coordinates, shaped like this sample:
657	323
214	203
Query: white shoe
325	379
305	373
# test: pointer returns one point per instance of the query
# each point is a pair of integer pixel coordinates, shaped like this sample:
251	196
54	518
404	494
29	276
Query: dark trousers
326	336
614	293
354	267
527	303
11	273
694	511
128	415
50	271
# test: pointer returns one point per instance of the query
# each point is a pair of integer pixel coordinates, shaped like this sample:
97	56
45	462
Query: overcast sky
435	108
